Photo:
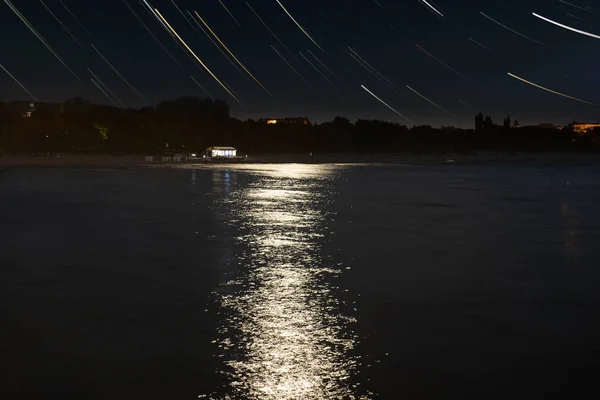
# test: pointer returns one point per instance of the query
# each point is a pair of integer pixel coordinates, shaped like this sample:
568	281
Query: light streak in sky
152	13
323	15
63	26
512	30
467	105
17	82
372	70
425	2
327	68
197	58
270	31
441	62
155	15
39	36
318	70
464	103
576	6
232	55
291	66
575	16
106	88
234	92
485	47
379	4
298	25
156	39
551	91
383	102
120	76
431	102
217	46
230	14
189	21
104	93
76	19
201	87
185	17
566	27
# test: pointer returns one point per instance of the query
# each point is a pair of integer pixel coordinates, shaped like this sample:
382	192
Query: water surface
297	281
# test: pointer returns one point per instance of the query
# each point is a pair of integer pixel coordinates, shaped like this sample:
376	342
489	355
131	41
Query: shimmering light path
284	332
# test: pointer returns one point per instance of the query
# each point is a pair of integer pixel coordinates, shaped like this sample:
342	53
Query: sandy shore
104	161
71	160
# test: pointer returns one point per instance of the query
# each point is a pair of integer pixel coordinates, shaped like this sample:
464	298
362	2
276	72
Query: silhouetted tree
488	123
506	123
478	122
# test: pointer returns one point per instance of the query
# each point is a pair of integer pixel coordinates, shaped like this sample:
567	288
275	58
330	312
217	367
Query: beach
129	161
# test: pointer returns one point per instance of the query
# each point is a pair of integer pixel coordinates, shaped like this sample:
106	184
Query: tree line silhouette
190	124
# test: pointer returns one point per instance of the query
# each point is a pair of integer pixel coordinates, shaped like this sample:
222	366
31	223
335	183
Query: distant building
30	111
583	128
221	152
293	121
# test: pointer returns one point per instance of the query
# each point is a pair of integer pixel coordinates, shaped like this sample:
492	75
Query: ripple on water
286	334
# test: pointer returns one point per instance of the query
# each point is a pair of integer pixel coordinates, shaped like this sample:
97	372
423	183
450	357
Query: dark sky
385	33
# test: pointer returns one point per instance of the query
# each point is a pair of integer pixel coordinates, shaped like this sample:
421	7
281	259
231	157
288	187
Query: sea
301	281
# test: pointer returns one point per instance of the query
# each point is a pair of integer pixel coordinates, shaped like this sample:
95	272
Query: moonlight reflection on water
284	334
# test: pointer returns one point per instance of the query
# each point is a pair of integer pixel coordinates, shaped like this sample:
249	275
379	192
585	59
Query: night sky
392	36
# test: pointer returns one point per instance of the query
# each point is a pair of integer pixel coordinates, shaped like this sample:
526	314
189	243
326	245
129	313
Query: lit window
271	121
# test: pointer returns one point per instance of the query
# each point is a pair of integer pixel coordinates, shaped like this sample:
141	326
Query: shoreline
132	161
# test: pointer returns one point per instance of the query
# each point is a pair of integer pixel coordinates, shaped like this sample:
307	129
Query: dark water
301	282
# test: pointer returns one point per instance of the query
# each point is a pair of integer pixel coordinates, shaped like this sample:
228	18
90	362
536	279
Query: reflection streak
286	335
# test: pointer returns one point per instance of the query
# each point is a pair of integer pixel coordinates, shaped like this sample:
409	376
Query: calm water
301	282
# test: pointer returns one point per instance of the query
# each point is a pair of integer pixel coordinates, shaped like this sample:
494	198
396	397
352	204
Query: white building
221	152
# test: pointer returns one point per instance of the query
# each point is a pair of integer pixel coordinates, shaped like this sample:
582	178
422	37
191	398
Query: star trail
301	58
